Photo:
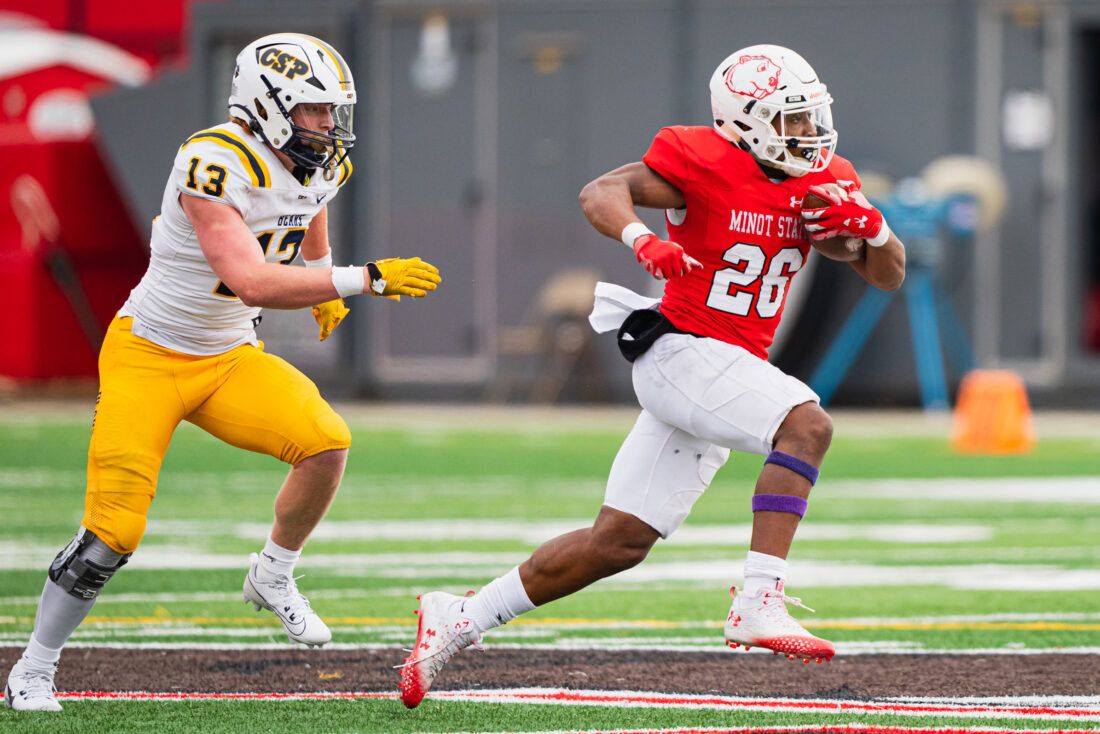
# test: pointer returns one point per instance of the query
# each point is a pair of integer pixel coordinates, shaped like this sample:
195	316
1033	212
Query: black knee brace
85	565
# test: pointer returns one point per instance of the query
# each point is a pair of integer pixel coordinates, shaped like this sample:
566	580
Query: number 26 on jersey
736	290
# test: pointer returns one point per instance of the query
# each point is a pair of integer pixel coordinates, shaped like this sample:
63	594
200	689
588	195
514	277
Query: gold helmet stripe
342	71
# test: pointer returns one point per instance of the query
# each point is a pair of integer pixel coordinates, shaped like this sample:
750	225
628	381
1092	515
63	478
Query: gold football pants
245	397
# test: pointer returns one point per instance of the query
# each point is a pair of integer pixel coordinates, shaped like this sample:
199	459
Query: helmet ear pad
261	111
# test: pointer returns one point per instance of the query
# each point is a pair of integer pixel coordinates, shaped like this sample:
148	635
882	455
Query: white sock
499	602
39	657
764	573
276	560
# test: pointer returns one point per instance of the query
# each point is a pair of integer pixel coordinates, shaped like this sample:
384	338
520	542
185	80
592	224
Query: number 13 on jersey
736	290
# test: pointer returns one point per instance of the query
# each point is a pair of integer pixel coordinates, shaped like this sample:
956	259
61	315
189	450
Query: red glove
848	215
663	259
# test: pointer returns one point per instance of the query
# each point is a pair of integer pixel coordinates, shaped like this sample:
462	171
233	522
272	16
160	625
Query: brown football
844	249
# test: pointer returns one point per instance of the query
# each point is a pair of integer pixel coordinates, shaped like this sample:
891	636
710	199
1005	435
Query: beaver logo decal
753	76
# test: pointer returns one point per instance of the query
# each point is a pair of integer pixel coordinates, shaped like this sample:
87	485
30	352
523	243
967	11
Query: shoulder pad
233	148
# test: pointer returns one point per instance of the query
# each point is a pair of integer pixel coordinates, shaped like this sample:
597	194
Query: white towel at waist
613	304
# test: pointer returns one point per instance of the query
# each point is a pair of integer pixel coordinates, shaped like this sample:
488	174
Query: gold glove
329	315
396	276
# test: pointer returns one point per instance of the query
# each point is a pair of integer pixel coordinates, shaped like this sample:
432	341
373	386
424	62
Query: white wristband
321	262
883	234
349	281
633	231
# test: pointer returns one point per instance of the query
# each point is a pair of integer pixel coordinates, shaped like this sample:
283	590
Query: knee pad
332	431
85	565
117	519
322	430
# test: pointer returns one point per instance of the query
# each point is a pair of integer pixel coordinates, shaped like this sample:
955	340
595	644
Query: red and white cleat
442	631
763	621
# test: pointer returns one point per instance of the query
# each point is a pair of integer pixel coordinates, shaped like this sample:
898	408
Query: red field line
629	698
831	706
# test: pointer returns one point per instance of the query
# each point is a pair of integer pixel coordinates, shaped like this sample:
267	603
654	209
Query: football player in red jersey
737	235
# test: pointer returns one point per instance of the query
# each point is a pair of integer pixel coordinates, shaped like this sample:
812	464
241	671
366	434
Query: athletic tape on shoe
779	503
798	466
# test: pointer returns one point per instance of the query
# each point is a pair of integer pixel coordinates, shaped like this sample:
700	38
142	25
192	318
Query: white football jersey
180	303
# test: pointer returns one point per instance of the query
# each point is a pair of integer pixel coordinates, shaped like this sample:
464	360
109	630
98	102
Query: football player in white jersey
244	198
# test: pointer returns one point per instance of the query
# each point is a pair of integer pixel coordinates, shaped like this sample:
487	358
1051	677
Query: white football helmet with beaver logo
277	72
756	90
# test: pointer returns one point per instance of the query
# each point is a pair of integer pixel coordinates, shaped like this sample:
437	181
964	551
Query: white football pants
700	399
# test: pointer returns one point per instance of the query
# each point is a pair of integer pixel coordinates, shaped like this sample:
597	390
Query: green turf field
907	546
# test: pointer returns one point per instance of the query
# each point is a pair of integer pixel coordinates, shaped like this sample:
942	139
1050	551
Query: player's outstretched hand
663	259
329	315
849	214
397	276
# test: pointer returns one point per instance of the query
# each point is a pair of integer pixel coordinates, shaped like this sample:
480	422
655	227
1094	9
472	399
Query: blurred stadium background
481	121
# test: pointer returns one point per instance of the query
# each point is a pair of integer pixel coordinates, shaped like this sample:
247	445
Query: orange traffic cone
992	415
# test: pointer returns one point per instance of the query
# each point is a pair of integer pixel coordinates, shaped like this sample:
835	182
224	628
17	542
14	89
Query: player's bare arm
609	203
316	253
230	249
315	244
883	267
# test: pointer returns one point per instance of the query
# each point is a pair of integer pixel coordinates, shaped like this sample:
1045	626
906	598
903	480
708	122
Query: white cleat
281	596
763	621
442	631
31	690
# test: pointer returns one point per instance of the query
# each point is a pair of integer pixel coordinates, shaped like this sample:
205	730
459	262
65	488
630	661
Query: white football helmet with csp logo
757	91
277	72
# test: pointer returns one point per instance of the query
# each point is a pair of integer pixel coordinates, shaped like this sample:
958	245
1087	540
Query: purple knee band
779	503
798	466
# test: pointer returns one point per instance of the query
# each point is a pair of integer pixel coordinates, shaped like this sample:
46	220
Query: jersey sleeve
842	170
218	166
671	159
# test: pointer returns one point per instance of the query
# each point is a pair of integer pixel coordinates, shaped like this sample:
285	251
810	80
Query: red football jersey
744	228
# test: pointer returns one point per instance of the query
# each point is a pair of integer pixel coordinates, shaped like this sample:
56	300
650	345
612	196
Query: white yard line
721	572
426	417
194	597
1031	490
535	532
